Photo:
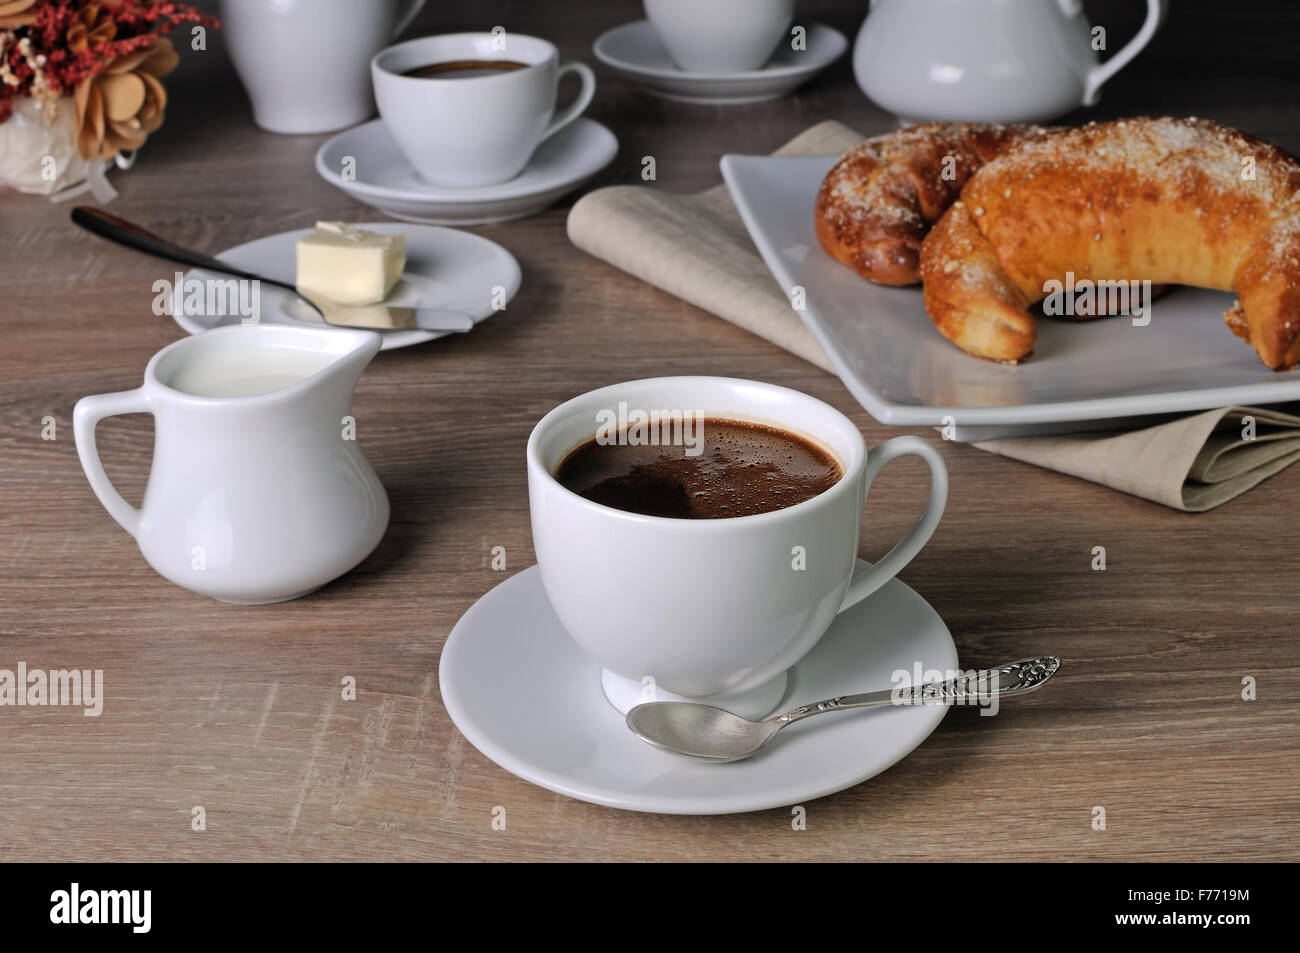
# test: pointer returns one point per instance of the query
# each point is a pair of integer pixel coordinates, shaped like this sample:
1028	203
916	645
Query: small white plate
444	269
366	163
635	50
888	353
526	696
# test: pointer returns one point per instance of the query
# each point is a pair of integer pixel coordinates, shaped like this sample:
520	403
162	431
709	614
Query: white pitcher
306	63
986	60
258	490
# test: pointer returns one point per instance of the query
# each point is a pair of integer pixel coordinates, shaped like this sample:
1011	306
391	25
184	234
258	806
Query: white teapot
987	60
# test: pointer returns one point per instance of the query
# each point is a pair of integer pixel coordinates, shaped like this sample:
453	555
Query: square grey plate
1081	376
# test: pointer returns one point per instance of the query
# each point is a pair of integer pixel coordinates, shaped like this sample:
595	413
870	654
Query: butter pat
349	265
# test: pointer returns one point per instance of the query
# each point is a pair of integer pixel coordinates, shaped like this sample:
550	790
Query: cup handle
404	19
89	412
580	102
868	580
1100	74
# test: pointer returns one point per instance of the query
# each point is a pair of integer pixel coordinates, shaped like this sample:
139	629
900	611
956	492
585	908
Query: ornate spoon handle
1014	678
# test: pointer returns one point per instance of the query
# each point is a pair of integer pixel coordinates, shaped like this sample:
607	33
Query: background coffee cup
720	36
306	63
711	608
467	132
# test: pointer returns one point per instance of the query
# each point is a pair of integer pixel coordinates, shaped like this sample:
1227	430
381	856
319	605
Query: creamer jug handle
89	412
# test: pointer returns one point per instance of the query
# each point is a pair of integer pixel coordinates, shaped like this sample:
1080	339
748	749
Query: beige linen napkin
1193	463
697	247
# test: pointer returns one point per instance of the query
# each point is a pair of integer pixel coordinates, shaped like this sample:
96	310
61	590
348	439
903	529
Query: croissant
1179	201
879	201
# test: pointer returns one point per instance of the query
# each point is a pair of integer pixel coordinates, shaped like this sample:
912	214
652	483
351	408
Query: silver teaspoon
702	731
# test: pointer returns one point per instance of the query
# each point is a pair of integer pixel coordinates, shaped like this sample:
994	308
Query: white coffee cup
713	609
482	130
720	36
306	63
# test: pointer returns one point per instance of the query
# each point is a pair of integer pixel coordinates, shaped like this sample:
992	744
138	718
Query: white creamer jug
987	60
258	490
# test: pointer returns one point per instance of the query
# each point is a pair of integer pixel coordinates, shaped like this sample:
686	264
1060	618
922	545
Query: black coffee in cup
464	69
729	468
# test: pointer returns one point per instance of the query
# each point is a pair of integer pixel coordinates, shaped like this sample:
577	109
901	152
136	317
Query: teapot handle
89	412
1099	74
406	16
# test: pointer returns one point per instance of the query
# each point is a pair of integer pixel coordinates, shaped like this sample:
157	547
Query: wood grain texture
239	710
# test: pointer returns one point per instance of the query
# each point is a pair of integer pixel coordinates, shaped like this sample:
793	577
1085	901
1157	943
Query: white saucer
444	269
385	180
526	696
635	51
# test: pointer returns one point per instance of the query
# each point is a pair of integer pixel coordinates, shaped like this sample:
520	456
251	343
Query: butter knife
130	235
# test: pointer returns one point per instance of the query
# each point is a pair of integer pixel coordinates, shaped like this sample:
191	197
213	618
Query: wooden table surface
238	710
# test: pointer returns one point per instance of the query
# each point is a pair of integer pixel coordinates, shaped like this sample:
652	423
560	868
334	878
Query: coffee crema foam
744	469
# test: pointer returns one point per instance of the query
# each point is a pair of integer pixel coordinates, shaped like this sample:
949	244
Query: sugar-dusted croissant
878	202
1178	201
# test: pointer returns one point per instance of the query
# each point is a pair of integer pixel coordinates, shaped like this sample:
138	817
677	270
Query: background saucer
444	269
635	51
386	180
526	696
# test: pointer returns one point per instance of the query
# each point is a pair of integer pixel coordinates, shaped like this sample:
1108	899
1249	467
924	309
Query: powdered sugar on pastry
1170	201
878	202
